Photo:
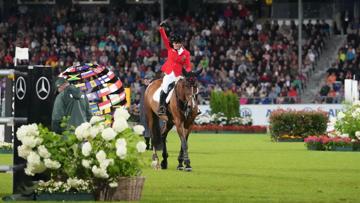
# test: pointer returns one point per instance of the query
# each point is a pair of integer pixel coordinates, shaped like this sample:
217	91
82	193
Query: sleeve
57	114
164	38
188	62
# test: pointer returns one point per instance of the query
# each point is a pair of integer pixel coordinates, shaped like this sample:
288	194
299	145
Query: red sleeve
188	62
164	38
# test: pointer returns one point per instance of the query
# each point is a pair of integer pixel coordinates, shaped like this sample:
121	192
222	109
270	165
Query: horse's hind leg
165	155
153	124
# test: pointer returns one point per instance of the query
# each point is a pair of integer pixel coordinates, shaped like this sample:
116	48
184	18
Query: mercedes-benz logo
20	88
42	88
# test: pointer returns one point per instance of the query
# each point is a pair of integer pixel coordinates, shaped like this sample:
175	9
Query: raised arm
164	38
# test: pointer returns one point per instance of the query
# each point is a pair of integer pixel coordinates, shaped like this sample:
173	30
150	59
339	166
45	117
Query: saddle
156	96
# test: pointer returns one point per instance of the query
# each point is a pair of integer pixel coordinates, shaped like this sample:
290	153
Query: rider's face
177	45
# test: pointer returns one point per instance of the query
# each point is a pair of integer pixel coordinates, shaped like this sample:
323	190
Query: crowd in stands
346	66
259	62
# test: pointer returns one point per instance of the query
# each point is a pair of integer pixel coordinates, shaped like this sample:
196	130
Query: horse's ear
198	72
185	74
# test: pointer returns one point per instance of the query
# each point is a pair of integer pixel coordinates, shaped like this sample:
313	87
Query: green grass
250	168
5	178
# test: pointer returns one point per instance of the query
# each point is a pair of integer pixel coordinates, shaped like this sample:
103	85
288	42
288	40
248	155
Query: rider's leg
167	80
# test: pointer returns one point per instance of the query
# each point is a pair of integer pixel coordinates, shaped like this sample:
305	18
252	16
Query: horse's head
190	89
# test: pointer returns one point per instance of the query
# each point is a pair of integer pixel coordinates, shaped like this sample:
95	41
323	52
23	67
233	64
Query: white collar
180	50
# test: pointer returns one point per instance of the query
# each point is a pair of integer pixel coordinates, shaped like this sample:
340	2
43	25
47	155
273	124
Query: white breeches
167	80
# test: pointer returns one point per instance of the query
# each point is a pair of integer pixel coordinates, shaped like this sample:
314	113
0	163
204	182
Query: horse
182	110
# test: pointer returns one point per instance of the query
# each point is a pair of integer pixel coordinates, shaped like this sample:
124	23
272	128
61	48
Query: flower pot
65	196
128	189
343	148
6	151
312	147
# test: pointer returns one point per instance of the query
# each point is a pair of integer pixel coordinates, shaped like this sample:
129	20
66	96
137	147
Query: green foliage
297	123
227	103
348	122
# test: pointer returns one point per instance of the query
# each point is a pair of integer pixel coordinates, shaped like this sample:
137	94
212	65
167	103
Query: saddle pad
156	96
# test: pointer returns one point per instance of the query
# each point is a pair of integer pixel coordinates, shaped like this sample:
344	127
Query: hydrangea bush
348	122
220	119
96	152
5	146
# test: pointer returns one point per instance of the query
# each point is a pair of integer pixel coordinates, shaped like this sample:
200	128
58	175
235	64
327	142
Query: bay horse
182	110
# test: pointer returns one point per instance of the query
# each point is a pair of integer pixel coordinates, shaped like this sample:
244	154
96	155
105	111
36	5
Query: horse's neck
179	90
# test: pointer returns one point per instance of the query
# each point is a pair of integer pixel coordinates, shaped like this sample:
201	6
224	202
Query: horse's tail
156	134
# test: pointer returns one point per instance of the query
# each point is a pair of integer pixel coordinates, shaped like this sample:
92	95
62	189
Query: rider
178	57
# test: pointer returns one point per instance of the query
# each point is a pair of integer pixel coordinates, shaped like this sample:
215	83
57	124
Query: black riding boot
162	107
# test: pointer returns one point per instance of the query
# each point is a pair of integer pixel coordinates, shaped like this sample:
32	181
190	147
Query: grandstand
240	49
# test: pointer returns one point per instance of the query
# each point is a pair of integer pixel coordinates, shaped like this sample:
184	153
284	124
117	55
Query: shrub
227	103
297	123
348	122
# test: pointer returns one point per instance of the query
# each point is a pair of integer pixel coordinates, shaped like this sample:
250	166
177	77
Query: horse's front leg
183	133
155	160
180	159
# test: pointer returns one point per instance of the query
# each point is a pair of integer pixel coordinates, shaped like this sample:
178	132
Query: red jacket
175	62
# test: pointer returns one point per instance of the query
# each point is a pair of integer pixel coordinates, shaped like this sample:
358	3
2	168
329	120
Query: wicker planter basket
128	189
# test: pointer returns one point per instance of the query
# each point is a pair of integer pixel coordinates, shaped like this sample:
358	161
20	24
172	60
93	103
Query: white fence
260	113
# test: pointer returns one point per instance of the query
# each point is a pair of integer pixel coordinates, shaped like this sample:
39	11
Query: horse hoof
188	169
180	168
163	165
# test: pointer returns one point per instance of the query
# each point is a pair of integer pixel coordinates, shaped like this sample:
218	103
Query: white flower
29	141
86	163
101	156
74	182
121	151
121	113
96	119
99	172
105	163
113	184
353	140
340	115
52	164
86	149
108	134
120	142
33	158
139	129
95	130
120	125
29	171
141	146
83	131
43	152
345	135
24	151
357	134
27	130
34	164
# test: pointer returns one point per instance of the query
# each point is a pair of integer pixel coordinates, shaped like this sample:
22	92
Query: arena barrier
260	113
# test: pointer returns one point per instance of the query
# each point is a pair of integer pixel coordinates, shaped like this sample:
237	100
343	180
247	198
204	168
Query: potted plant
313	143
338	143
104	155
6	148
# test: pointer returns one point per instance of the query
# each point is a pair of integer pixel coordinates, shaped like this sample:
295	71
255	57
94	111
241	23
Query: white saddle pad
156	96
